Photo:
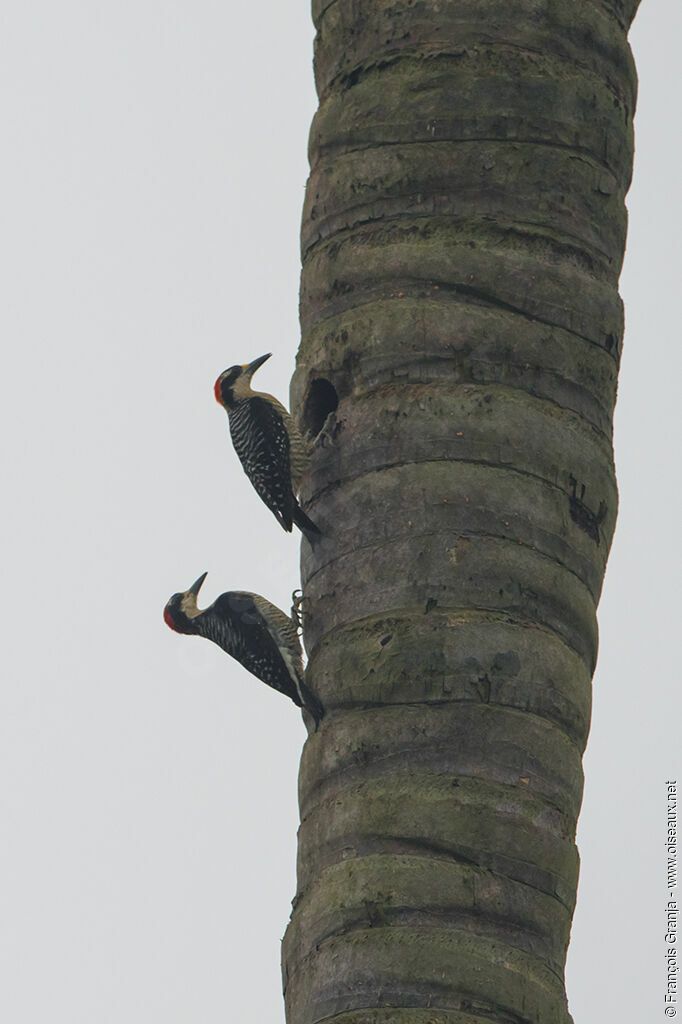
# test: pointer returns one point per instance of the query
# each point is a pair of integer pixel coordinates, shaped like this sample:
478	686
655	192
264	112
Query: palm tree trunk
462	239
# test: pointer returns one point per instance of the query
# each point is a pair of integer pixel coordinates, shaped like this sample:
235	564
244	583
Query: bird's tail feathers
310	531
312	704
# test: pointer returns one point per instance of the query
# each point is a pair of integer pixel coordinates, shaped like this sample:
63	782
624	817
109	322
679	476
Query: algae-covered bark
462	238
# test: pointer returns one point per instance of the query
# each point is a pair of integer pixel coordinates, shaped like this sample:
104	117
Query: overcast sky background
152	181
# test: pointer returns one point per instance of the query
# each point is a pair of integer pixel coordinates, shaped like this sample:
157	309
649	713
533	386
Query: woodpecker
256	633
271	449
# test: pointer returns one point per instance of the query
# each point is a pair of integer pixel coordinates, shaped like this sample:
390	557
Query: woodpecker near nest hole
255	632
271	448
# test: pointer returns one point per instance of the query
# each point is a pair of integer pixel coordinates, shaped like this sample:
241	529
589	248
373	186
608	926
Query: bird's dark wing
261	441
284	630
238	627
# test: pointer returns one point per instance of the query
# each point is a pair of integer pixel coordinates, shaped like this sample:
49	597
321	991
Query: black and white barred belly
236	625
261	442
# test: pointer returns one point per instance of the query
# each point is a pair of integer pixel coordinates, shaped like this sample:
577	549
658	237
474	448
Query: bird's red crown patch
169	620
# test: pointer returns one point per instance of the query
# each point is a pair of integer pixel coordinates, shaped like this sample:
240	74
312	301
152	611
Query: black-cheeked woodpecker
255	632
271	448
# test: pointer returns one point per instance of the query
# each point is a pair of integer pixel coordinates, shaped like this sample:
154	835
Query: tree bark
462	238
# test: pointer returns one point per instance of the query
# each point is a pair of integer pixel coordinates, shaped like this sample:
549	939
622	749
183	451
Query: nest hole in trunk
320	401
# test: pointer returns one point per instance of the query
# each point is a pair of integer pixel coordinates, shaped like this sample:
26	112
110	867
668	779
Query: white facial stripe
189	606
242	387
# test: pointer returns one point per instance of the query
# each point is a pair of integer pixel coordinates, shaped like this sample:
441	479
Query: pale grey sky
153	174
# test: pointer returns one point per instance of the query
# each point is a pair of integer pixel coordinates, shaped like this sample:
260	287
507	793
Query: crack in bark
310	807
488	1013
556	375
382	59
558	378
485	535
507	708
498	388
466	919
579	152
429	994
472	914
470	533
580	247
485	300
317	495
363	925
614	8
354	777
462	1015
351	707
492	614
323	11
414	847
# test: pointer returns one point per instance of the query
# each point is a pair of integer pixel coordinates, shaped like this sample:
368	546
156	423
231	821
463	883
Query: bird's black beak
252	367
196	586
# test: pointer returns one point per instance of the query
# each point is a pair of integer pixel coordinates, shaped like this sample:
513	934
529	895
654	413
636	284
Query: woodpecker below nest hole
255	632
271	448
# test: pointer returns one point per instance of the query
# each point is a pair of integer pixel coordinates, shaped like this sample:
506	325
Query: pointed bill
252	367
196	586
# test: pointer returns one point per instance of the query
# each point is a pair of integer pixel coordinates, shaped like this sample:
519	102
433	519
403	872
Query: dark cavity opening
322	399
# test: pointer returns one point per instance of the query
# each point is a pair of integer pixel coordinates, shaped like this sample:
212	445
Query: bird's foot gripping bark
310	531
296	616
